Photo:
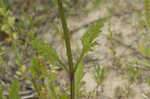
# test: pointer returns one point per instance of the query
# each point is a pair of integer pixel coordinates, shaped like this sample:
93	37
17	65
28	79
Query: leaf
96	3
144	50
43	93
1	60
99	74
53	90
147	11
78	77
46	50
133	72
35	69
148	81
2	11
6	28
64	96
1	93
89	37
5	3
11	21
143	63
14	90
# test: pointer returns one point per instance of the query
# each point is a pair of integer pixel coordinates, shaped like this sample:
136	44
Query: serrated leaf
14	90
46	50
78	77
89	37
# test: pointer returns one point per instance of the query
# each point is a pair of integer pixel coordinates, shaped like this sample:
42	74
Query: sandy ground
125	27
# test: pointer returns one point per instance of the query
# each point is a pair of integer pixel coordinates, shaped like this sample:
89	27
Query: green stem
63	66
68	48
78	61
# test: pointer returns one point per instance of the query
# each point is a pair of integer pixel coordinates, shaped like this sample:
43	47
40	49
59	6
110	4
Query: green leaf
5	3
11	21
147	11
89	37
133	72
45	49
2	11
99	74
143	63
148	81
35	69
14	90
64	96
78	77
1	60
96	3
1	93
53	90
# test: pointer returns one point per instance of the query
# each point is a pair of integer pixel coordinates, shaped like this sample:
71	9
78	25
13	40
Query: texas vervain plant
87	42
75	71
44	53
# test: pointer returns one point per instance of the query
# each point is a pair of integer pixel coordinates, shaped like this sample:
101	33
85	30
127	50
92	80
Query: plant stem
68	48
78	61
63	66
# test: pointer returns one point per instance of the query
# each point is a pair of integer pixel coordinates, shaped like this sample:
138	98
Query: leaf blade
14	90
89	37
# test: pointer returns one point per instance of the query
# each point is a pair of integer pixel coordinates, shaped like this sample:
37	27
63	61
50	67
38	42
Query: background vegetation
109	43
